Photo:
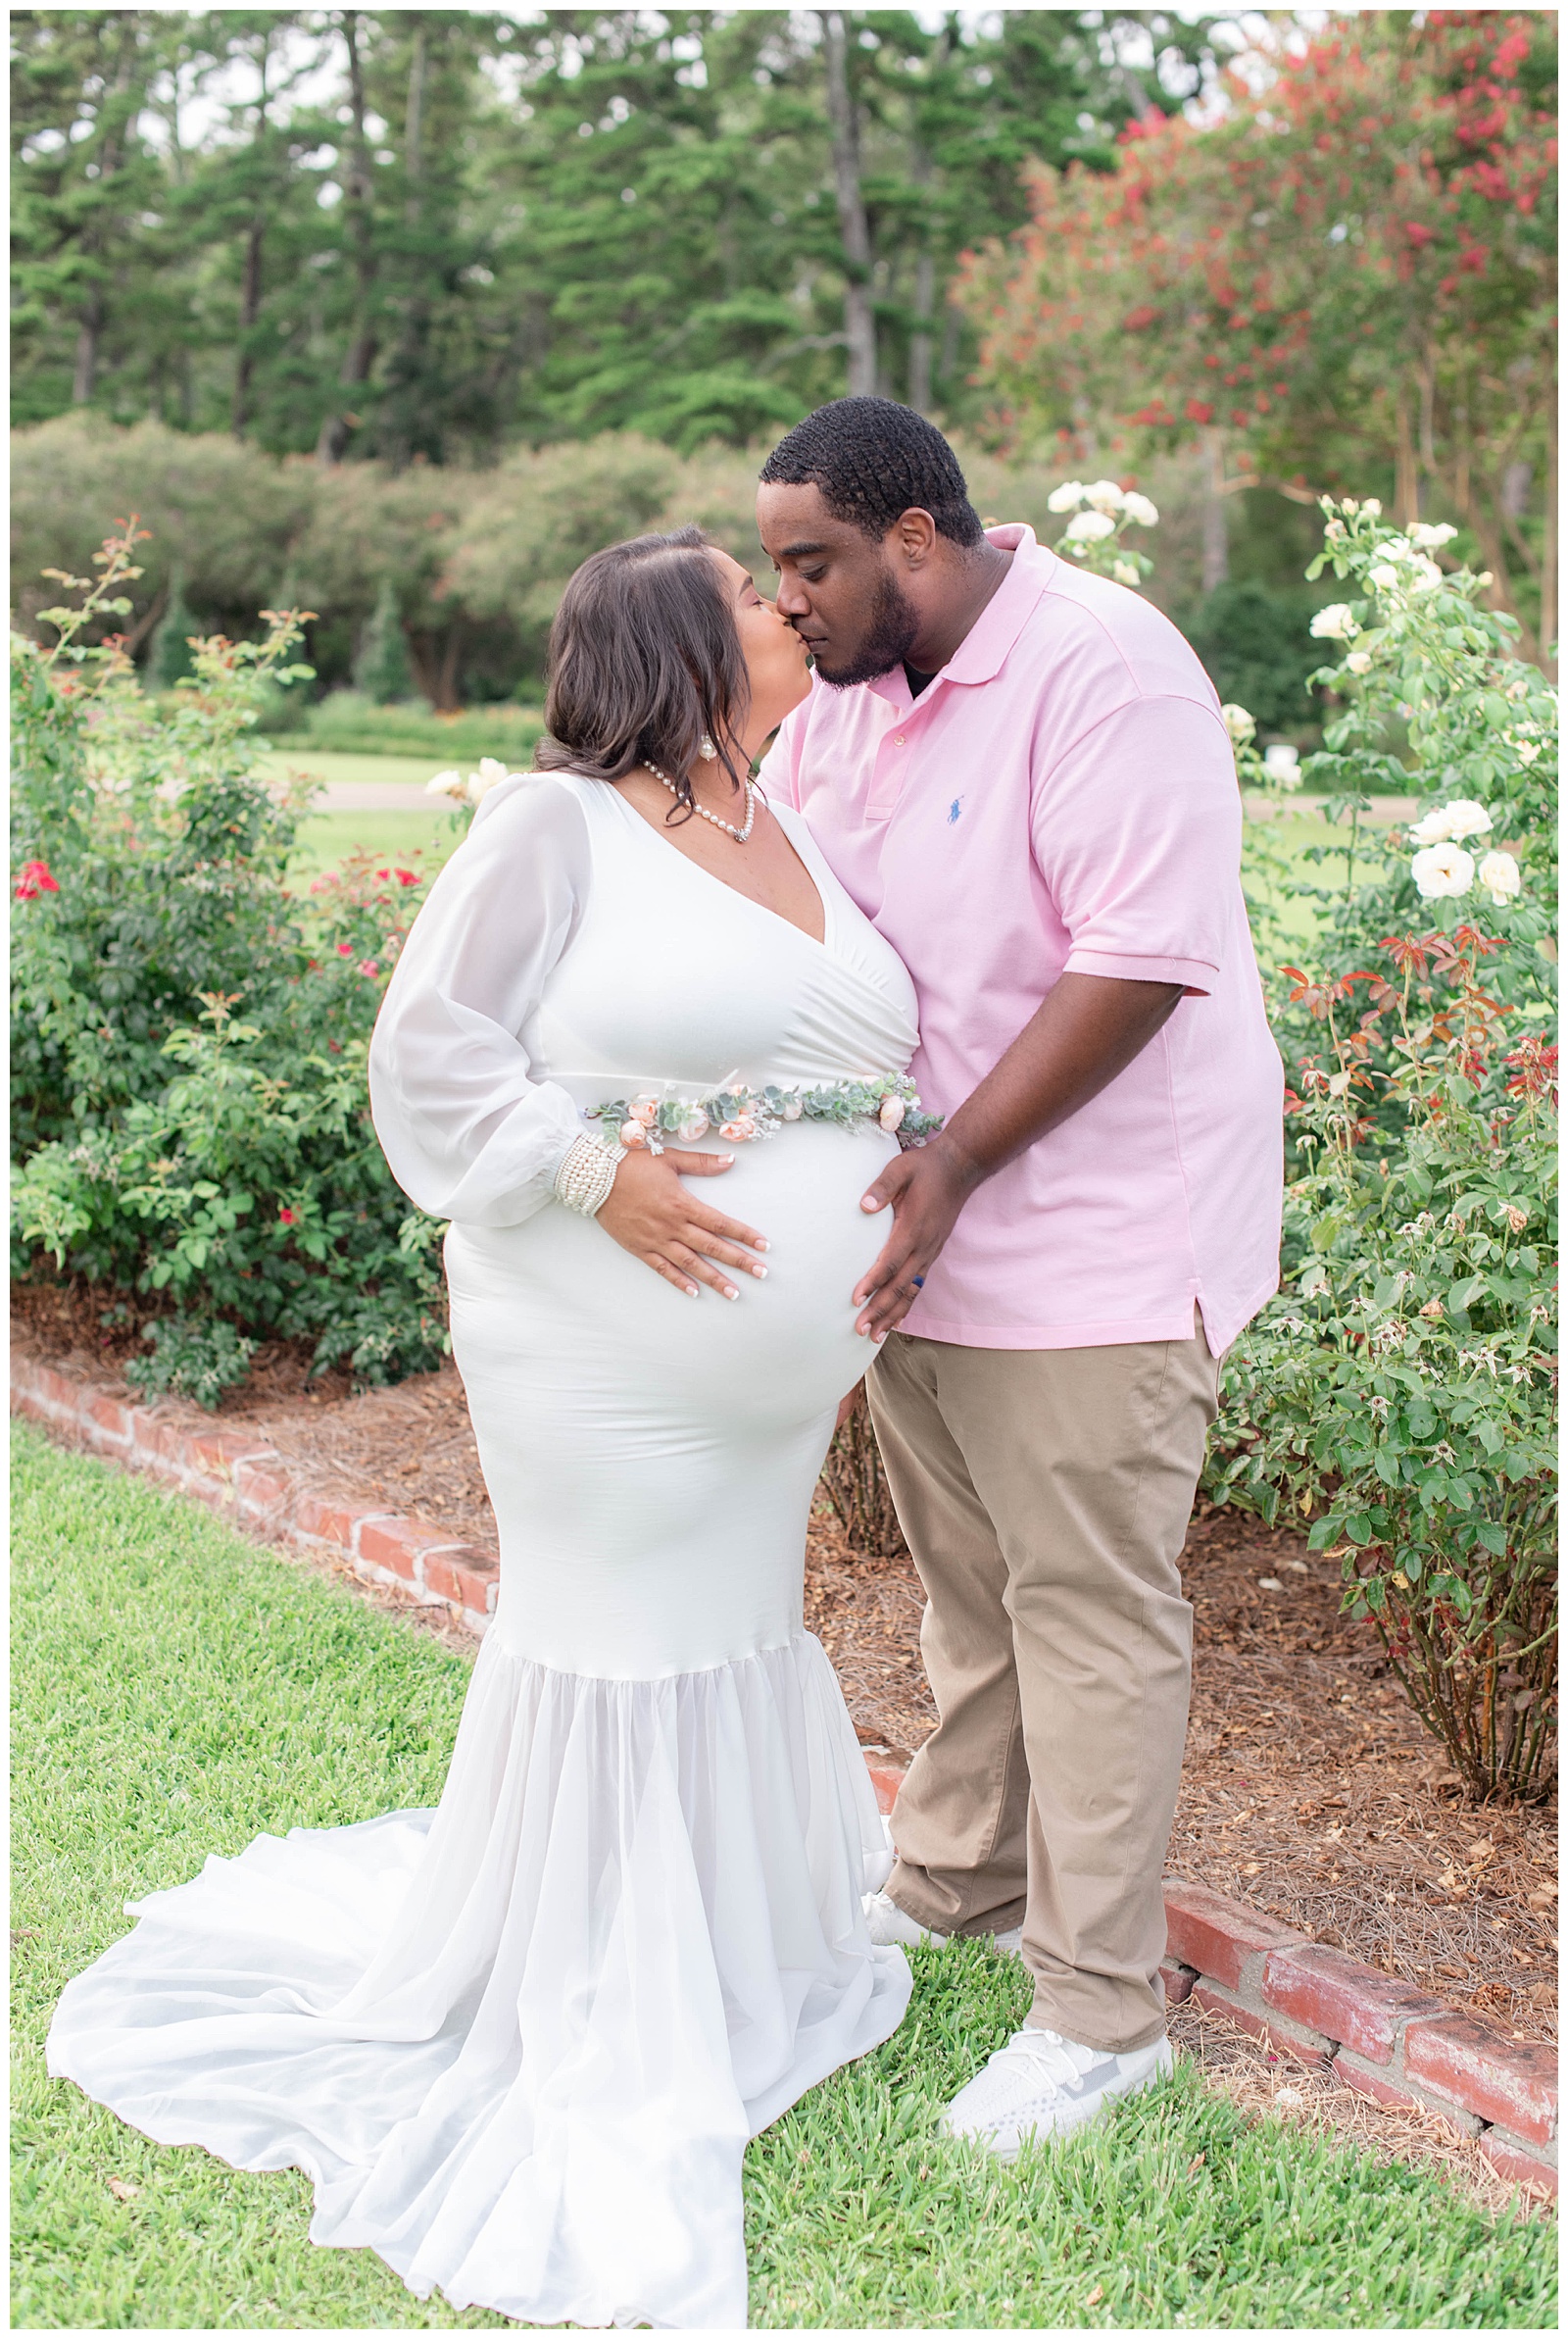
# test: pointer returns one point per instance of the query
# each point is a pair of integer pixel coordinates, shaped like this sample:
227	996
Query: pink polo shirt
1062	798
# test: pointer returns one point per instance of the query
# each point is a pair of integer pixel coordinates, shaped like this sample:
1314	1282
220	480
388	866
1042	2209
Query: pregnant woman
519	2042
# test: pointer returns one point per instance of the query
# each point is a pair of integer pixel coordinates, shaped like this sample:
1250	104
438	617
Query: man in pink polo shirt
1021	775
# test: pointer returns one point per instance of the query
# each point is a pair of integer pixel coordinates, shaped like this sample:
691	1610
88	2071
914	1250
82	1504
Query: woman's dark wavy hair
645	661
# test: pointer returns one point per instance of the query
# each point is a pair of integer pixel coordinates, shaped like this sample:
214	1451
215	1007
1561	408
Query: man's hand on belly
1086	1030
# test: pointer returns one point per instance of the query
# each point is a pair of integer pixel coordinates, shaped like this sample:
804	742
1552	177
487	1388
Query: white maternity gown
519	2042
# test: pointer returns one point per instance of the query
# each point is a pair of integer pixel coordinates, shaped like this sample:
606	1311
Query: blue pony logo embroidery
954	810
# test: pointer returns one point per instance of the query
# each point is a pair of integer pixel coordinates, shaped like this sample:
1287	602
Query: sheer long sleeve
467	1131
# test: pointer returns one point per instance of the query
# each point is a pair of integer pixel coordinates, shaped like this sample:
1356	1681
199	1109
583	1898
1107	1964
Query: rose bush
189	1038
1398	1397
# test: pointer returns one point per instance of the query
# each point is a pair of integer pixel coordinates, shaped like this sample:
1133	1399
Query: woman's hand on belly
649	1212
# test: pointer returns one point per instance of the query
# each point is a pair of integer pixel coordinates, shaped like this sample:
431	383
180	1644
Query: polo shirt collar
984	649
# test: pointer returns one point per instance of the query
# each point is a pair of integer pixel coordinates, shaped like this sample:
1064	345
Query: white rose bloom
1527	750
1373	507
1448	823
1383	578
1335	623
1283	763
1105	495
1125	573
1359	662
1425	575
1239	723
1466	818
1141	511
445	783
1065	498
1441	871
1429	538
1089	528
1498	875
490	774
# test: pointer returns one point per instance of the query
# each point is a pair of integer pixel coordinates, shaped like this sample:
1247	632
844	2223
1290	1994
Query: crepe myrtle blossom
1089	528
1065	498
1452	822
1140	511
1442	871
1498	875
1105	495
1336	622
1238	722
1283	764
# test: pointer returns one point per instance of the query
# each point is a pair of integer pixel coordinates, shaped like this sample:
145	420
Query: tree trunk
88	337
860	322
925	285
250	298
1216	532
360	356
89	334
1406	484
405	365
925	276
250	304
449	699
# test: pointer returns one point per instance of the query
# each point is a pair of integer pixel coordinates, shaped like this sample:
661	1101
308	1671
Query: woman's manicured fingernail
868	1202
689	1290
761	1245
730	1292
761	1272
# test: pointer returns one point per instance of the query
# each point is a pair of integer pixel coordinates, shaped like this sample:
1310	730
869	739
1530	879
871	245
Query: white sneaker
1040	2084
891	1929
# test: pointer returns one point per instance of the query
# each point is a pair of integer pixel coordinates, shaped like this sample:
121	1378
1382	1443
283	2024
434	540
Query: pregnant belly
650	1457
559	1302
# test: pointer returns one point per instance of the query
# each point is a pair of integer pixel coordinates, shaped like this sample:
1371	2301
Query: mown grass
178	1691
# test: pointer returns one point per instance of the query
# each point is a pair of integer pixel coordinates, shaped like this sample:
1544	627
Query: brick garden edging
1381	2036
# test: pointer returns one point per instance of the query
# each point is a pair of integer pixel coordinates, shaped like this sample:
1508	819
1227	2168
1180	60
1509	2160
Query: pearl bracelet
586	1176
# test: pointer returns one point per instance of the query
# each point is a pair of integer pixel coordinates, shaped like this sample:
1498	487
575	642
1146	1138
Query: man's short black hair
873	459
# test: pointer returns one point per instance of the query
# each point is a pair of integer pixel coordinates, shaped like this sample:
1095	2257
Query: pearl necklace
739	834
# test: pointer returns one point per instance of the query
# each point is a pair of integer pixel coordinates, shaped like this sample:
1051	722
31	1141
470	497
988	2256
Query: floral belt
649	1123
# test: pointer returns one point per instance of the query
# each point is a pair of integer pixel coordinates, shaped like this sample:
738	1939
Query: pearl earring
706	750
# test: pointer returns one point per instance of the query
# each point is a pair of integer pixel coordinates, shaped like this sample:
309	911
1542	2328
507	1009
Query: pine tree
168	657
382	670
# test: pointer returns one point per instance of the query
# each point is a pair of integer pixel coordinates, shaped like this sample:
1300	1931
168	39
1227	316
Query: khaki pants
1044	1494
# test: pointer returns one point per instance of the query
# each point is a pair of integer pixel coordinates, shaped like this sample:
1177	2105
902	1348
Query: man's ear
915	535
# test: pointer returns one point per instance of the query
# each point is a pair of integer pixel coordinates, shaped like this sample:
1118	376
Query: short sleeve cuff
1196	977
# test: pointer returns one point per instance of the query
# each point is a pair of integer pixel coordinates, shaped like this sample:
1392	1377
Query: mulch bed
1309	1787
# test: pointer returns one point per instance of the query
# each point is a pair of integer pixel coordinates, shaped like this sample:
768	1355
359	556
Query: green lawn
178	1691
324	763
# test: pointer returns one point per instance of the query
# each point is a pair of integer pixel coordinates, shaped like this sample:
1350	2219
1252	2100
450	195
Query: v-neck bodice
673	977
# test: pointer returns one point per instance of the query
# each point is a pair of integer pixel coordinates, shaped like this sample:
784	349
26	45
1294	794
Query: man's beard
891	633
